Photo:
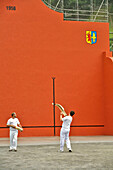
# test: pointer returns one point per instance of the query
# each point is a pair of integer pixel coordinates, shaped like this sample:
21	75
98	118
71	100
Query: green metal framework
88	10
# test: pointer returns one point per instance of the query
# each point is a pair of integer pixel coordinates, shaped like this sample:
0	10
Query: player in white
12	123
64	133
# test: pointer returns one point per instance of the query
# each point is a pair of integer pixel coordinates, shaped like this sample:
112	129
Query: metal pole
62	6
54	102
57	4
77	11
98	10
50	3
91	10
107	10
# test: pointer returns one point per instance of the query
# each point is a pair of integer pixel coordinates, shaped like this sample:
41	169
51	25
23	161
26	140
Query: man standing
12	123
64	133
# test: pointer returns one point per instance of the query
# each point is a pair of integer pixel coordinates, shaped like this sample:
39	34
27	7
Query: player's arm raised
61	116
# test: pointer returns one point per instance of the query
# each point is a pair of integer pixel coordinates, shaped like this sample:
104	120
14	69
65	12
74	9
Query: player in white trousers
12	123
64	133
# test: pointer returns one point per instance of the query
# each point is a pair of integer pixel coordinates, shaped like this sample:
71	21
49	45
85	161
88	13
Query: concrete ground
40	153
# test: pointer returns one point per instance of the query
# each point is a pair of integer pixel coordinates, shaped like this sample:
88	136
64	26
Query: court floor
41	153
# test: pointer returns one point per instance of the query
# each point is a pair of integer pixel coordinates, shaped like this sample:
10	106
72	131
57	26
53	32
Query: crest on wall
91	37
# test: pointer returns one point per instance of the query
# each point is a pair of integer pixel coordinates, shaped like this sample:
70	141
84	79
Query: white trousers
64	136
13	139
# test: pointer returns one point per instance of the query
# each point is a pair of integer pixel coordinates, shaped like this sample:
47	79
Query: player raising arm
12	123
64	133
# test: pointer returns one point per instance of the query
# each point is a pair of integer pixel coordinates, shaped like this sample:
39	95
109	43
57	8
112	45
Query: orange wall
36	44
108	78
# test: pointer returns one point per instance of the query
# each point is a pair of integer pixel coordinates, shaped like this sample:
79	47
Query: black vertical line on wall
54	102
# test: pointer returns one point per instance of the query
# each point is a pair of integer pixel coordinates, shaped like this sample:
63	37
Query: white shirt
66	122
14	122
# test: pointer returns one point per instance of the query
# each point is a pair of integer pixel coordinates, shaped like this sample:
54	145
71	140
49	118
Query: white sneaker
60	151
